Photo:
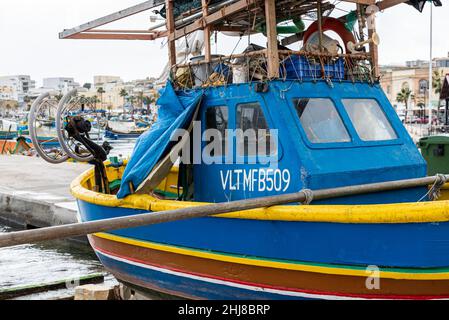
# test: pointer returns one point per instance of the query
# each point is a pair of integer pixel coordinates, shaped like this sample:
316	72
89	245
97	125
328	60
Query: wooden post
272	47
445	112
320	25
206	32
170	31
373	48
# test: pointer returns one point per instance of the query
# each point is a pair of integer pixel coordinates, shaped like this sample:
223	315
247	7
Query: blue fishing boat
284	121
8	135
45	141
118	136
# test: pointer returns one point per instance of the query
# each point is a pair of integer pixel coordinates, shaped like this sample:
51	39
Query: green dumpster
435	150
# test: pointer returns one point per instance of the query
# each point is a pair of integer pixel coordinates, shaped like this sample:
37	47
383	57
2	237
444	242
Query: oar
84	228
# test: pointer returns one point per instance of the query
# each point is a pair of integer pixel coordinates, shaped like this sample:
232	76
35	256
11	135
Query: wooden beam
373	48
272	45
213	18
320	24
170	20
67	34
113	36
207	50
365	2
385	4
222	28
120	31
292	39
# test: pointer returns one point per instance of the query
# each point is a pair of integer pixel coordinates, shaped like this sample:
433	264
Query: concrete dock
34	193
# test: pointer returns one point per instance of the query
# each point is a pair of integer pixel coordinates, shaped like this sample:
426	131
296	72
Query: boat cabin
304	111
327	136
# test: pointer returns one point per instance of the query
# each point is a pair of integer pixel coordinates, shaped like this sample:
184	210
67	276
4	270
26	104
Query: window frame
355	139
325	145
268	120
339	114
204	127
396	141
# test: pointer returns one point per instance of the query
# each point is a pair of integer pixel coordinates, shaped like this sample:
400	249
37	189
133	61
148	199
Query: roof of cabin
233	18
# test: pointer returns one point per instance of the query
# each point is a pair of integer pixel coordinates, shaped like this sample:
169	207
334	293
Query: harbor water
44	263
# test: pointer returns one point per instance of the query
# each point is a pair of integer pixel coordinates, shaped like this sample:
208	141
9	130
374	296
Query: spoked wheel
70	107
42	114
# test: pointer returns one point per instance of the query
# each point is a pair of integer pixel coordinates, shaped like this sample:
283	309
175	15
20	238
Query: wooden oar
84	228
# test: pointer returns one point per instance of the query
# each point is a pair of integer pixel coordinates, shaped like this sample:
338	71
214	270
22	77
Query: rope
308	196
435	191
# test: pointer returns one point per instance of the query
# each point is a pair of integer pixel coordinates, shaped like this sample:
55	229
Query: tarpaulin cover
419	4
175	112
181	6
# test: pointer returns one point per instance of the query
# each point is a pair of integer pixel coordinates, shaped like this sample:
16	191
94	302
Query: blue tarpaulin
175	112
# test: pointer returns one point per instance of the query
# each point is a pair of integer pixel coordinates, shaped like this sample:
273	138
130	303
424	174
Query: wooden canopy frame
214	20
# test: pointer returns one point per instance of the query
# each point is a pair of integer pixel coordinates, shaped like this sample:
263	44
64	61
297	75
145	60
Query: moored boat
315	119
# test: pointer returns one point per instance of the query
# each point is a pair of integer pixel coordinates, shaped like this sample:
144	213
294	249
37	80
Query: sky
29	42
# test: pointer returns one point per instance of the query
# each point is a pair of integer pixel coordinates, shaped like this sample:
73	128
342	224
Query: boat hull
116	136
227	258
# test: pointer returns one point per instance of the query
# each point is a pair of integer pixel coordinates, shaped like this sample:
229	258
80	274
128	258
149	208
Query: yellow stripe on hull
275	264
423	212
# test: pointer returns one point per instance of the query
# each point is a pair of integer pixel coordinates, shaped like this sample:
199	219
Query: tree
123	94
93	100
140	99
27	101
88	86
437	82
404	97
147	101
59	96
100	91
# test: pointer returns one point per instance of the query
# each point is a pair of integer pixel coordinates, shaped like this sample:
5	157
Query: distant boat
123	129
7	135
45	141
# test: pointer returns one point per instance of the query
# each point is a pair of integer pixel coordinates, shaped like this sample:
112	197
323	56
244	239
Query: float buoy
331	24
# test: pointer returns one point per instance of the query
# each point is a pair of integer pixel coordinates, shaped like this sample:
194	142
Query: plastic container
435	150
240	73
300	68
203	71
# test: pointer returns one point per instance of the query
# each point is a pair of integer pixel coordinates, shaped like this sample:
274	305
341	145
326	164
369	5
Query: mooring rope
308	196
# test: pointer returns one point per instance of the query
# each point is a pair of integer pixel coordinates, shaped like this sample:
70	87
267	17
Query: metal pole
149	218
430	67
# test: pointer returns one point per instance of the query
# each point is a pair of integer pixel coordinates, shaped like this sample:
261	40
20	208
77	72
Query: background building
415	78
61	84
19	86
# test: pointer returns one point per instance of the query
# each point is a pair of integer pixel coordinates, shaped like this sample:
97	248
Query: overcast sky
29	41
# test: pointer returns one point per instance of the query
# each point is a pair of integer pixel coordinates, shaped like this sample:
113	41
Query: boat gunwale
396	213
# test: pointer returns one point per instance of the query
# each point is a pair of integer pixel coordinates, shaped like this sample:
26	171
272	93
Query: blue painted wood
183	286
314	166
415	245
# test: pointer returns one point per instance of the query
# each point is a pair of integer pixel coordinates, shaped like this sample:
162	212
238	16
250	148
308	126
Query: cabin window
321	121
255	132
218	118
369	120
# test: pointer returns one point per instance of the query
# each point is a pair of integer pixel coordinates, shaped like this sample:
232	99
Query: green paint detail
55	285
115	184
312	264
297	27
167	194
351	19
